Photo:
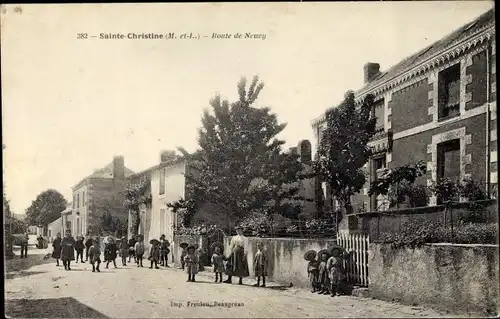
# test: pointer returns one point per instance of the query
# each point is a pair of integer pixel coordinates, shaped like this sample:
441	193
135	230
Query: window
83	199
379	163
379	113
50	233
377	202
448	160
78	201
449	92
162	182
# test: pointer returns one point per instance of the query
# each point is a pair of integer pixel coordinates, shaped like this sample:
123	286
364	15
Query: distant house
53	228
104	189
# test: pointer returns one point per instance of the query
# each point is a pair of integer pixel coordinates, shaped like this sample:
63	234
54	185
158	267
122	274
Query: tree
137	194
343	150
239	166
46	208
398	184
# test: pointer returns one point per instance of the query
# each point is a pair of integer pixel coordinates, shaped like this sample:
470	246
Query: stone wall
286	257
461	279
376	223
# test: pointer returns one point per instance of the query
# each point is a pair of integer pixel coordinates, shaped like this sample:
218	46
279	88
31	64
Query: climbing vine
137	194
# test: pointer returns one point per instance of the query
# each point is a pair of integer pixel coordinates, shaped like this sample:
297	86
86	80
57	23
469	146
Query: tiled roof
105	172
466	31
453	38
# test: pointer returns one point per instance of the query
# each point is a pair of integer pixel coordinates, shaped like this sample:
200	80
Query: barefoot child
183	254
79	247
95	255
191	261
260	265
110	252
218	263
336	270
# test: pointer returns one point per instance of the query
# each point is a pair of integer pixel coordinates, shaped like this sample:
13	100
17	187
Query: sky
69	105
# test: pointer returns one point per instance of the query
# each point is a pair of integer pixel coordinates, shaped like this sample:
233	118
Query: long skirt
237	264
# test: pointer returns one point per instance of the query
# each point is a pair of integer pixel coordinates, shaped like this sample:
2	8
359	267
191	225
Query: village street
45	290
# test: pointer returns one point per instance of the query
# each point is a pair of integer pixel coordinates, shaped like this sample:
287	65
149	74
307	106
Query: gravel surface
45	290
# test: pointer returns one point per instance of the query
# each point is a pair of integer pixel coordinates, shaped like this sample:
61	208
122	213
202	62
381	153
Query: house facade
55	227
101	191
167	185
436	106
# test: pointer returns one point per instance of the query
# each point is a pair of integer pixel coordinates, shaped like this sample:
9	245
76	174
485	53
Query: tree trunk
136	221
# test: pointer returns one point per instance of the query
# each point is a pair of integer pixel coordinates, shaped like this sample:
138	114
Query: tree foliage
111	224
343	149
46	208
240	165
398	185
137	194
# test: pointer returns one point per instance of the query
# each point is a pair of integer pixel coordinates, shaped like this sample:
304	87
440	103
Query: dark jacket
110	252
68	249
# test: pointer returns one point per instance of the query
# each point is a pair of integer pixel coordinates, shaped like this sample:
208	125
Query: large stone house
436	106
100	191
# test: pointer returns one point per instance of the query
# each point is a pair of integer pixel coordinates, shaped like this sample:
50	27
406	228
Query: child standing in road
131	249
154	253
183	254
124	250
312	269
192	263
260	265
110	252
218	263
324	279
139	250
95	255
79	247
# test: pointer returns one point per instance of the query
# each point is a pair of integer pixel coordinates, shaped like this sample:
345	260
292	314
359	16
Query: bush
195	230
417	232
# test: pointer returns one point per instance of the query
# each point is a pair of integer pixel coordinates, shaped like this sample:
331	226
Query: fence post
451	221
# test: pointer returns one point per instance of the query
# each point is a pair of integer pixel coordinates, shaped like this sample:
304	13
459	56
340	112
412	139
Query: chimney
304	151
119	167
166	156
371	70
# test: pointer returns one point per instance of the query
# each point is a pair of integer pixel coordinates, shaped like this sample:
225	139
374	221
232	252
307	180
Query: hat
184	245
217	244
310	255
191	247
336	250
153	241
323	251
238	227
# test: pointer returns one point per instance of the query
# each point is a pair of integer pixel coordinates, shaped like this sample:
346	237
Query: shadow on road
34	259
22	274
49	308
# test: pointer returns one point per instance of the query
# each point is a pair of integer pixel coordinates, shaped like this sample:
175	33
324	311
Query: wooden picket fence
357	264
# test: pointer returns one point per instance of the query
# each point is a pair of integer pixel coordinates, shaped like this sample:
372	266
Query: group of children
133	248
327	274
190	261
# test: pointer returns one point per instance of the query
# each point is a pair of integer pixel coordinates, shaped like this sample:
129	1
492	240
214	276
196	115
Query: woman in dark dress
68	250
56	244
237	264
110	252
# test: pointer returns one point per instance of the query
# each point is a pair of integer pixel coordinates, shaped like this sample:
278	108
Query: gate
357	264
217	235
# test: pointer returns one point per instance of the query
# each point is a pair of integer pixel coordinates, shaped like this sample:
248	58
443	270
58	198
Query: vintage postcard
250	160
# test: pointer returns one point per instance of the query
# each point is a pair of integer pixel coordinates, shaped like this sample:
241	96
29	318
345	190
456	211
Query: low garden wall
377	223
461	279
286	257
